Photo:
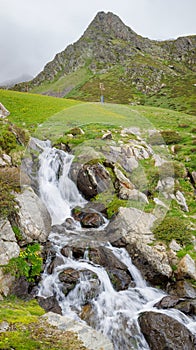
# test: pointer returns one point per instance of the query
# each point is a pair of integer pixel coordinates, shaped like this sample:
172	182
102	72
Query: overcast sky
33	31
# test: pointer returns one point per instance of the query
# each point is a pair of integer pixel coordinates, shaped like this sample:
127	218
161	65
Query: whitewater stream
114	313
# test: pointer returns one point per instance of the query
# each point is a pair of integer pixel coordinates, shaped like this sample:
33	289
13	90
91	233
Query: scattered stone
167	302
132	130
69	224
187	306
160	203
181	201
23	289
69	277
3	111
107	136
166	186
55	261
76	131
133	195
158	160
175	246
5	160
8	249
122	183
193	174
187	267
4	326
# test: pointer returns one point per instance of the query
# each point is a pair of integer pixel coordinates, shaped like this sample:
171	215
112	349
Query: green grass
13	310
27	331
119	115
29	110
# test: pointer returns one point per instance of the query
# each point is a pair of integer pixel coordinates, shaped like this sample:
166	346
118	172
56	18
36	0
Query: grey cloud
33	31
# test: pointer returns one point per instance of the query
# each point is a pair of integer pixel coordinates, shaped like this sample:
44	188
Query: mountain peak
110	25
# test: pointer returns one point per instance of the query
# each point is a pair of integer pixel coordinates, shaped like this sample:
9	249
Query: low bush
171	136
173	228
28	263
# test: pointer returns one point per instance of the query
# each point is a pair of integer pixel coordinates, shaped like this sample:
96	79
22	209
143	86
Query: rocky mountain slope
133	69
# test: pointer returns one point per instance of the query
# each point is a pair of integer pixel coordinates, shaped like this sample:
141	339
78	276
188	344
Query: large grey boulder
91	338
8	249
33	218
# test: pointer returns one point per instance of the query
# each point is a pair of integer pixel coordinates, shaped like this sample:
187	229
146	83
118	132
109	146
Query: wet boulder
24	289
187	306
50	304
92	179
69	277
164	332
119	274
89	219
55	262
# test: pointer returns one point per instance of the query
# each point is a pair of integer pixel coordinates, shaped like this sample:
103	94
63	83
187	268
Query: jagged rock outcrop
138	65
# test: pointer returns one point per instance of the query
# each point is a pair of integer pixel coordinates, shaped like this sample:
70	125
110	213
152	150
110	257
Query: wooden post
101	86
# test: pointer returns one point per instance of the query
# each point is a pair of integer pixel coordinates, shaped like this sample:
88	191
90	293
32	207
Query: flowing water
115	313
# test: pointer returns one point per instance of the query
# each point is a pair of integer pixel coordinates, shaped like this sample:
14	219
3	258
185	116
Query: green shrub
9	182
7	140
28	263
173	228
170	136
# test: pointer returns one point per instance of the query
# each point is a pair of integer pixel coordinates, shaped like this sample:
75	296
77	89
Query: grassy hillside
29	110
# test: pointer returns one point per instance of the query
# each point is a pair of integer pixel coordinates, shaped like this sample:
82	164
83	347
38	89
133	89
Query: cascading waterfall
115	313
58	192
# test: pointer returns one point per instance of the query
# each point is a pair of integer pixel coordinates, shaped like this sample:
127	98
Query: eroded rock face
163	332
33	218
